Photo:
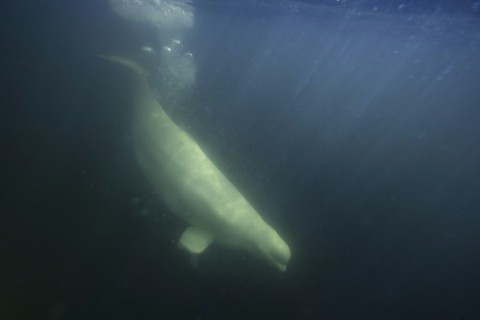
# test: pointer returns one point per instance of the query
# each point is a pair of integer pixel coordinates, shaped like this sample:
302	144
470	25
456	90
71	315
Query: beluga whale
192	186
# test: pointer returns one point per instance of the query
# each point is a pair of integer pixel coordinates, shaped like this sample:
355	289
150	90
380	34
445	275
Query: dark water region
354	133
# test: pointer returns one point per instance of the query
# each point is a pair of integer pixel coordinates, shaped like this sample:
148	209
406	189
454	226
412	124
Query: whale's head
274	250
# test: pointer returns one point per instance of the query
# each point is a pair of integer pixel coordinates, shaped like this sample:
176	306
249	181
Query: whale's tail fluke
140	72
128	63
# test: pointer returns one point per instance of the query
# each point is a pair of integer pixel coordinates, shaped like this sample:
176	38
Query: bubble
165	14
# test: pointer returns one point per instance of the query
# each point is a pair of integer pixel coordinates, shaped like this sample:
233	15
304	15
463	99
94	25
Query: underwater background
352	126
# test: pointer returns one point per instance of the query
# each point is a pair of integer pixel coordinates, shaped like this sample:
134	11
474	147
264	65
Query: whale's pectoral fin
196	240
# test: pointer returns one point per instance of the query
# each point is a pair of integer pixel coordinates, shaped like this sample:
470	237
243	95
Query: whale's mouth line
280	266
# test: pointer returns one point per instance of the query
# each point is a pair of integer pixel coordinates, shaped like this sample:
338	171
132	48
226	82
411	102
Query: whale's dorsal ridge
196	240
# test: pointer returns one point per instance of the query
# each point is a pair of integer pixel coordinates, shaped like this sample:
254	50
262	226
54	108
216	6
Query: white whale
193	187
